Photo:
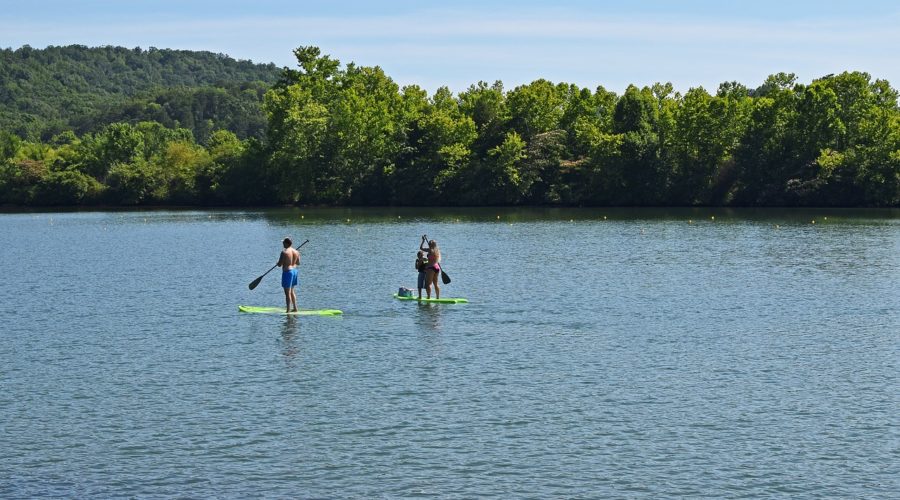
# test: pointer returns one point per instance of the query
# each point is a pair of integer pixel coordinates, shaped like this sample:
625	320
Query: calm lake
603	353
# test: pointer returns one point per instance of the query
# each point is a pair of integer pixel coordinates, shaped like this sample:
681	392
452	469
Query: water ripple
636	356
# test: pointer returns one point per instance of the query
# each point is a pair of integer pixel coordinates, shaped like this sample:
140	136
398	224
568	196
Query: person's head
420	254
432	244
287	243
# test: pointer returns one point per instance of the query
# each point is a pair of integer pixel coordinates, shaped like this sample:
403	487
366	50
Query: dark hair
287	243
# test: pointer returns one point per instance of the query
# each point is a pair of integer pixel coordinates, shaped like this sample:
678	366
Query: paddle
255	283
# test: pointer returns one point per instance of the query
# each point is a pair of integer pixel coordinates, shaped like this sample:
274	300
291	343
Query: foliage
333	134
46	91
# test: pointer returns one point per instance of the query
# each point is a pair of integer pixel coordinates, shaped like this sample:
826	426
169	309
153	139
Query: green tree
19	179
766	159
366	136
117	143
137	182
632	175
179	165
486	106
438	169
707	132
212	178
9	145
298	125
508	183
536	108
67	187
298	110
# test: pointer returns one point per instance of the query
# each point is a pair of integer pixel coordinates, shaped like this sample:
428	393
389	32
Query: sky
458	43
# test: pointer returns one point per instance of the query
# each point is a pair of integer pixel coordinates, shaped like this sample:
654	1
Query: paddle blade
255	282
444	277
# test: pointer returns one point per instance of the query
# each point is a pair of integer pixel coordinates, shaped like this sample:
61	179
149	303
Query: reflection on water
289	331
428	315
405	215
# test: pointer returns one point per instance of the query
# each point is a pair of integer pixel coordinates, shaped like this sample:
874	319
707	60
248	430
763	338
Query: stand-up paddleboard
438	301
280	310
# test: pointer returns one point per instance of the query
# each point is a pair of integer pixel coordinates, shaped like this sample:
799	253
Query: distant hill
46	91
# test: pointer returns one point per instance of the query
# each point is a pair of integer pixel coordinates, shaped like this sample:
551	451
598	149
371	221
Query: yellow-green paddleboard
438	301
280	310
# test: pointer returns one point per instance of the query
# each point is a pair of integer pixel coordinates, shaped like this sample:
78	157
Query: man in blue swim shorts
288	261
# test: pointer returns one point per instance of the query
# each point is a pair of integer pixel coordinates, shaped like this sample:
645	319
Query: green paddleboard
280	310
438	301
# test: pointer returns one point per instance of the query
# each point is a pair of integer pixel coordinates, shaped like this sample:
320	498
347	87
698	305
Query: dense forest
349	135
48	91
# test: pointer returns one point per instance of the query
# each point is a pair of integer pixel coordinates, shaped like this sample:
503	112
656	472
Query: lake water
604	353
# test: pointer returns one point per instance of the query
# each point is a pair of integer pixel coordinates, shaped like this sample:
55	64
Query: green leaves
331	134
46	91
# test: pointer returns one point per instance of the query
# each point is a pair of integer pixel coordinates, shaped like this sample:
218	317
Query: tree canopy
47	91
327	133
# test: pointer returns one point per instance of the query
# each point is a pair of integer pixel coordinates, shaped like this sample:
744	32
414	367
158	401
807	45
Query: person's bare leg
287	299
429	276
437	288
294	299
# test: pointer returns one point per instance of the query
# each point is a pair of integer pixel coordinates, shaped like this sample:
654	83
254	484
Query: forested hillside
350	135
46	91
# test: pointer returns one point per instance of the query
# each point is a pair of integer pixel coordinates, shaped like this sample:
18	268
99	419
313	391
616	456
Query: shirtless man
288	261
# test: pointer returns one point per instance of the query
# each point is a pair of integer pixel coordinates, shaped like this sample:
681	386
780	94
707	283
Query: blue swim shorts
421	279
289	278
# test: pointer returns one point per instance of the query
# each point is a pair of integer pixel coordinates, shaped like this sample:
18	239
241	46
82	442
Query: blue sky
688	43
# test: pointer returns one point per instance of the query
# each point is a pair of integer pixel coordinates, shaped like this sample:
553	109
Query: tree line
349	135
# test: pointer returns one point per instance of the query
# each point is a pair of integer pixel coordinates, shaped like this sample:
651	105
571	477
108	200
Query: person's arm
424	245
280	259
